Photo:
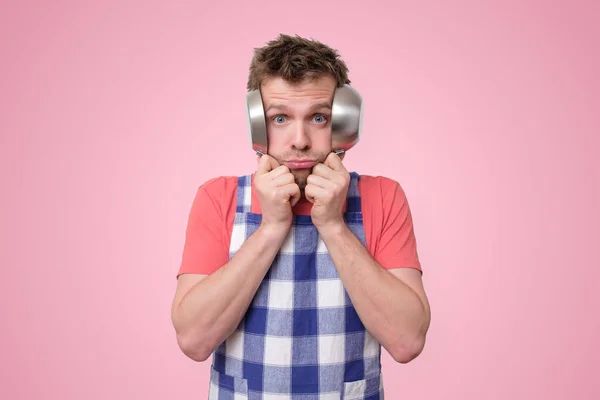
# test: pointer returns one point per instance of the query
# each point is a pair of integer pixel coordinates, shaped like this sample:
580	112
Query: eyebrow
318	106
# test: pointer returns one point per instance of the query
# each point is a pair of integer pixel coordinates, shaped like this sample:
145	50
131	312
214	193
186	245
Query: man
295	276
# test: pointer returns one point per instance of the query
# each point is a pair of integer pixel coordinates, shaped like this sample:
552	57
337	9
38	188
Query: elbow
406	347
406	351
194	347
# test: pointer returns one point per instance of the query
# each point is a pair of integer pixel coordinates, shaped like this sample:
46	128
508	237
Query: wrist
274	231
332	229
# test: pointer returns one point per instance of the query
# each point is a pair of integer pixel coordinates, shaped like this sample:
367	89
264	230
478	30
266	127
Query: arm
391	303
213	296
208	308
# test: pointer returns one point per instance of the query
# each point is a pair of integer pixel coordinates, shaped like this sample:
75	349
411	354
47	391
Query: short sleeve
204	250
397	245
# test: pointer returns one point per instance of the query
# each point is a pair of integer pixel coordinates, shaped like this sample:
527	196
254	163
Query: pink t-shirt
387	221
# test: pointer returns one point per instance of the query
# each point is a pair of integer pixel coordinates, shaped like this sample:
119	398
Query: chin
301	180
301	174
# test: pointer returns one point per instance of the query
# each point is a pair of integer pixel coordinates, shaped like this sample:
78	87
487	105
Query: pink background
112	114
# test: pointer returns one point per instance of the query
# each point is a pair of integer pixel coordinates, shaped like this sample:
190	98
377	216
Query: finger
318	181
308	193
291	192
334	162
314	193
279	171
295	194
324	171
283	179
266	163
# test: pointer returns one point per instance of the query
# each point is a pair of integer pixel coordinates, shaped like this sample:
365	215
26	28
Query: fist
277	192
326	189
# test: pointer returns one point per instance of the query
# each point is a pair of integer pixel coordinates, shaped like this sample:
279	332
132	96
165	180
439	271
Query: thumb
266	163
334	162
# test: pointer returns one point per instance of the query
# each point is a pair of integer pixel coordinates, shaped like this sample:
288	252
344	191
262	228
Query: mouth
300	164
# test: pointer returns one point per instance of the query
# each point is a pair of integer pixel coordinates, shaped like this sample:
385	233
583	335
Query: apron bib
301	338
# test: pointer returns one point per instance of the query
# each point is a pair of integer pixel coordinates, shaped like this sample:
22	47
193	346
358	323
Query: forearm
390	309
214	307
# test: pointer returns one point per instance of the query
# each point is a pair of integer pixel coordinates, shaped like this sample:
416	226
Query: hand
277	192
326	189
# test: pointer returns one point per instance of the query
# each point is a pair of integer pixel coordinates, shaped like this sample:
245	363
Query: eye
320	118
280	119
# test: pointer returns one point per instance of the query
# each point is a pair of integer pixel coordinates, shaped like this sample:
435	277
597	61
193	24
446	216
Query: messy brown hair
295	59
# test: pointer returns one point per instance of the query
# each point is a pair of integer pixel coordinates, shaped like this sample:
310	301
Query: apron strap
353	198
244	194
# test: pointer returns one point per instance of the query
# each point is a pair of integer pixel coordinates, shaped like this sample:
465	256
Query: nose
301	140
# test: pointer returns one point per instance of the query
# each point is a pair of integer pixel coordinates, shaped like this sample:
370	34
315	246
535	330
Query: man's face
299	123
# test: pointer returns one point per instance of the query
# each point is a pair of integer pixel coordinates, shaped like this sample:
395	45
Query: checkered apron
301	338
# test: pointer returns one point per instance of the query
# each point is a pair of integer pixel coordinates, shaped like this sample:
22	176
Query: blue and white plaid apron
301	338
